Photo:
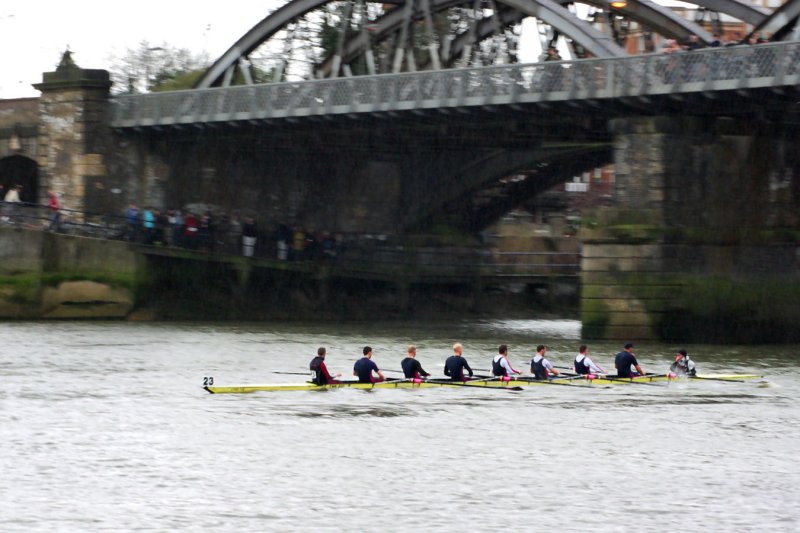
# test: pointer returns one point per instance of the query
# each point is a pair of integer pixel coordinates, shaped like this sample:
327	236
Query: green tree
150	68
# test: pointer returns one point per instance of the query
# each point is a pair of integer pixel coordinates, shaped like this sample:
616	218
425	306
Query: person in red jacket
319	372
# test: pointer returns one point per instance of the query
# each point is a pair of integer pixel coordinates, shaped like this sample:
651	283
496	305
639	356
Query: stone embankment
44	275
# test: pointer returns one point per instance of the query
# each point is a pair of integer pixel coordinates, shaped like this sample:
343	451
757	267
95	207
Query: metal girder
658	18
583	33
651	15
743	11
779	20
545	10
259	33
548	11
485	28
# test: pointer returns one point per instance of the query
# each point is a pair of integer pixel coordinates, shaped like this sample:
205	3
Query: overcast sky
34	33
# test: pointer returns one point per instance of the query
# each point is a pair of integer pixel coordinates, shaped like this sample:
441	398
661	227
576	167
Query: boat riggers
515	383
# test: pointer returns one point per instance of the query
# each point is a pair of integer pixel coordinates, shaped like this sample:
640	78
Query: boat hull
495	384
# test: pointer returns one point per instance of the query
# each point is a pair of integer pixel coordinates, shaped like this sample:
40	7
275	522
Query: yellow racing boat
492	383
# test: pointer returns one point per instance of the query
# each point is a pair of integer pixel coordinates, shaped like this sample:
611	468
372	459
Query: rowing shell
402	384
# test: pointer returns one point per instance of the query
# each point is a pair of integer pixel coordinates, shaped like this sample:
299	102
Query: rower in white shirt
541	368
584	365
500	365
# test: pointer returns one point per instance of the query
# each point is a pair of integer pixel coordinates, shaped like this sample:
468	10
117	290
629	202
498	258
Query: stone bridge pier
702	242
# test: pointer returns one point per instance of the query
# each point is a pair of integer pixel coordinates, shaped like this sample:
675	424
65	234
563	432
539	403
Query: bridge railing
353	254
710	69
68	221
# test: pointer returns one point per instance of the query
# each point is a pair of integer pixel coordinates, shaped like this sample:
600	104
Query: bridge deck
711	70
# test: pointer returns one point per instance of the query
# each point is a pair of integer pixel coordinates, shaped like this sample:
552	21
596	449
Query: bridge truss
306	39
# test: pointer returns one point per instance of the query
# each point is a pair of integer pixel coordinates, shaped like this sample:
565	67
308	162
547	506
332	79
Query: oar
715	379
553	381
467	384
293	373
630	380
554	366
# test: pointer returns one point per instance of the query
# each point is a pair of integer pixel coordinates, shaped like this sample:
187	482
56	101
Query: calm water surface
105	426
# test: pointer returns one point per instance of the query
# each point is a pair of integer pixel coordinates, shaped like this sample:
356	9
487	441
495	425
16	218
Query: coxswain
455	364
583	365
541	368
319	372
412	369
683	366
365	366
625	360
500	364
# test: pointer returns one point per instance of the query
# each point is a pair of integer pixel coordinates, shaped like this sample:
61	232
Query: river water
105	427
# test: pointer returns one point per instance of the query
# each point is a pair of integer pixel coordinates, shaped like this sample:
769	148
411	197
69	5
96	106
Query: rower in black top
455	364
625	360
365	366
319	372
412	369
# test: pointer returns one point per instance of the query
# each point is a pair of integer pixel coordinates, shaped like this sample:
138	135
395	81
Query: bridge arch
548	11
662	20
506	12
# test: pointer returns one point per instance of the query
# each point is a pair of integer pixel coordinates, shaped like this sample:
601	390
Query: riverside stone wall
44	275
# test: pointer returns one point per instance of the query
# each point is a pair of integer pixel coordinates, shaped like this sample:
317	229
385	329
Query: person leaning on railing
55	211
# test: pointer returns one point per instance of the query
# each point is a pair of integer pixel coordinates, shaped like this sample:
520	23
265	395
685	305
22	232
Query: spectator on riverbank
282	238
55	211
249	236
132	223
234	233
298	245
149	225
190	228
12	200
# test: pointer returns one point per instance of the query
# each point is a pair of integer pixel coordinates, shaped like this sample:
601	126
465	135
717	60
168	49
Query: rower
625	360
583	365
683	365
541	368
319	372
412	368
365	366
455	364
500	364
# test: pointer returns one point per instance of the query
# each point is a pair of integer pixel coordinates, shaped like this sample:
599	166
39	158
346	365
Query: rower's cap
628	345
682	352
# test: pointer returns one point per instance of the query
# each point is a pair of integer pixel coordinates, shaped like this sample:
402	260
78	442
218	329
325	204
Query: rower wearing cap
683	366
412	369
500	364
583	365
625	360
541	368
365	366
455	364
319	372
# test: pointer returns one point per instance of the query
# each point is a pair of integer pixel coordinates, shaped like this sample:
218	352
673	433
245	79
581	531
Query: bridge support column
703	241
74	135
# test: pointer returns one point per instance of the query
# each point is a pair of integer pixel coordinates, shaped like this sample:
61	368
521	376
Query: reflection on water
105	426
